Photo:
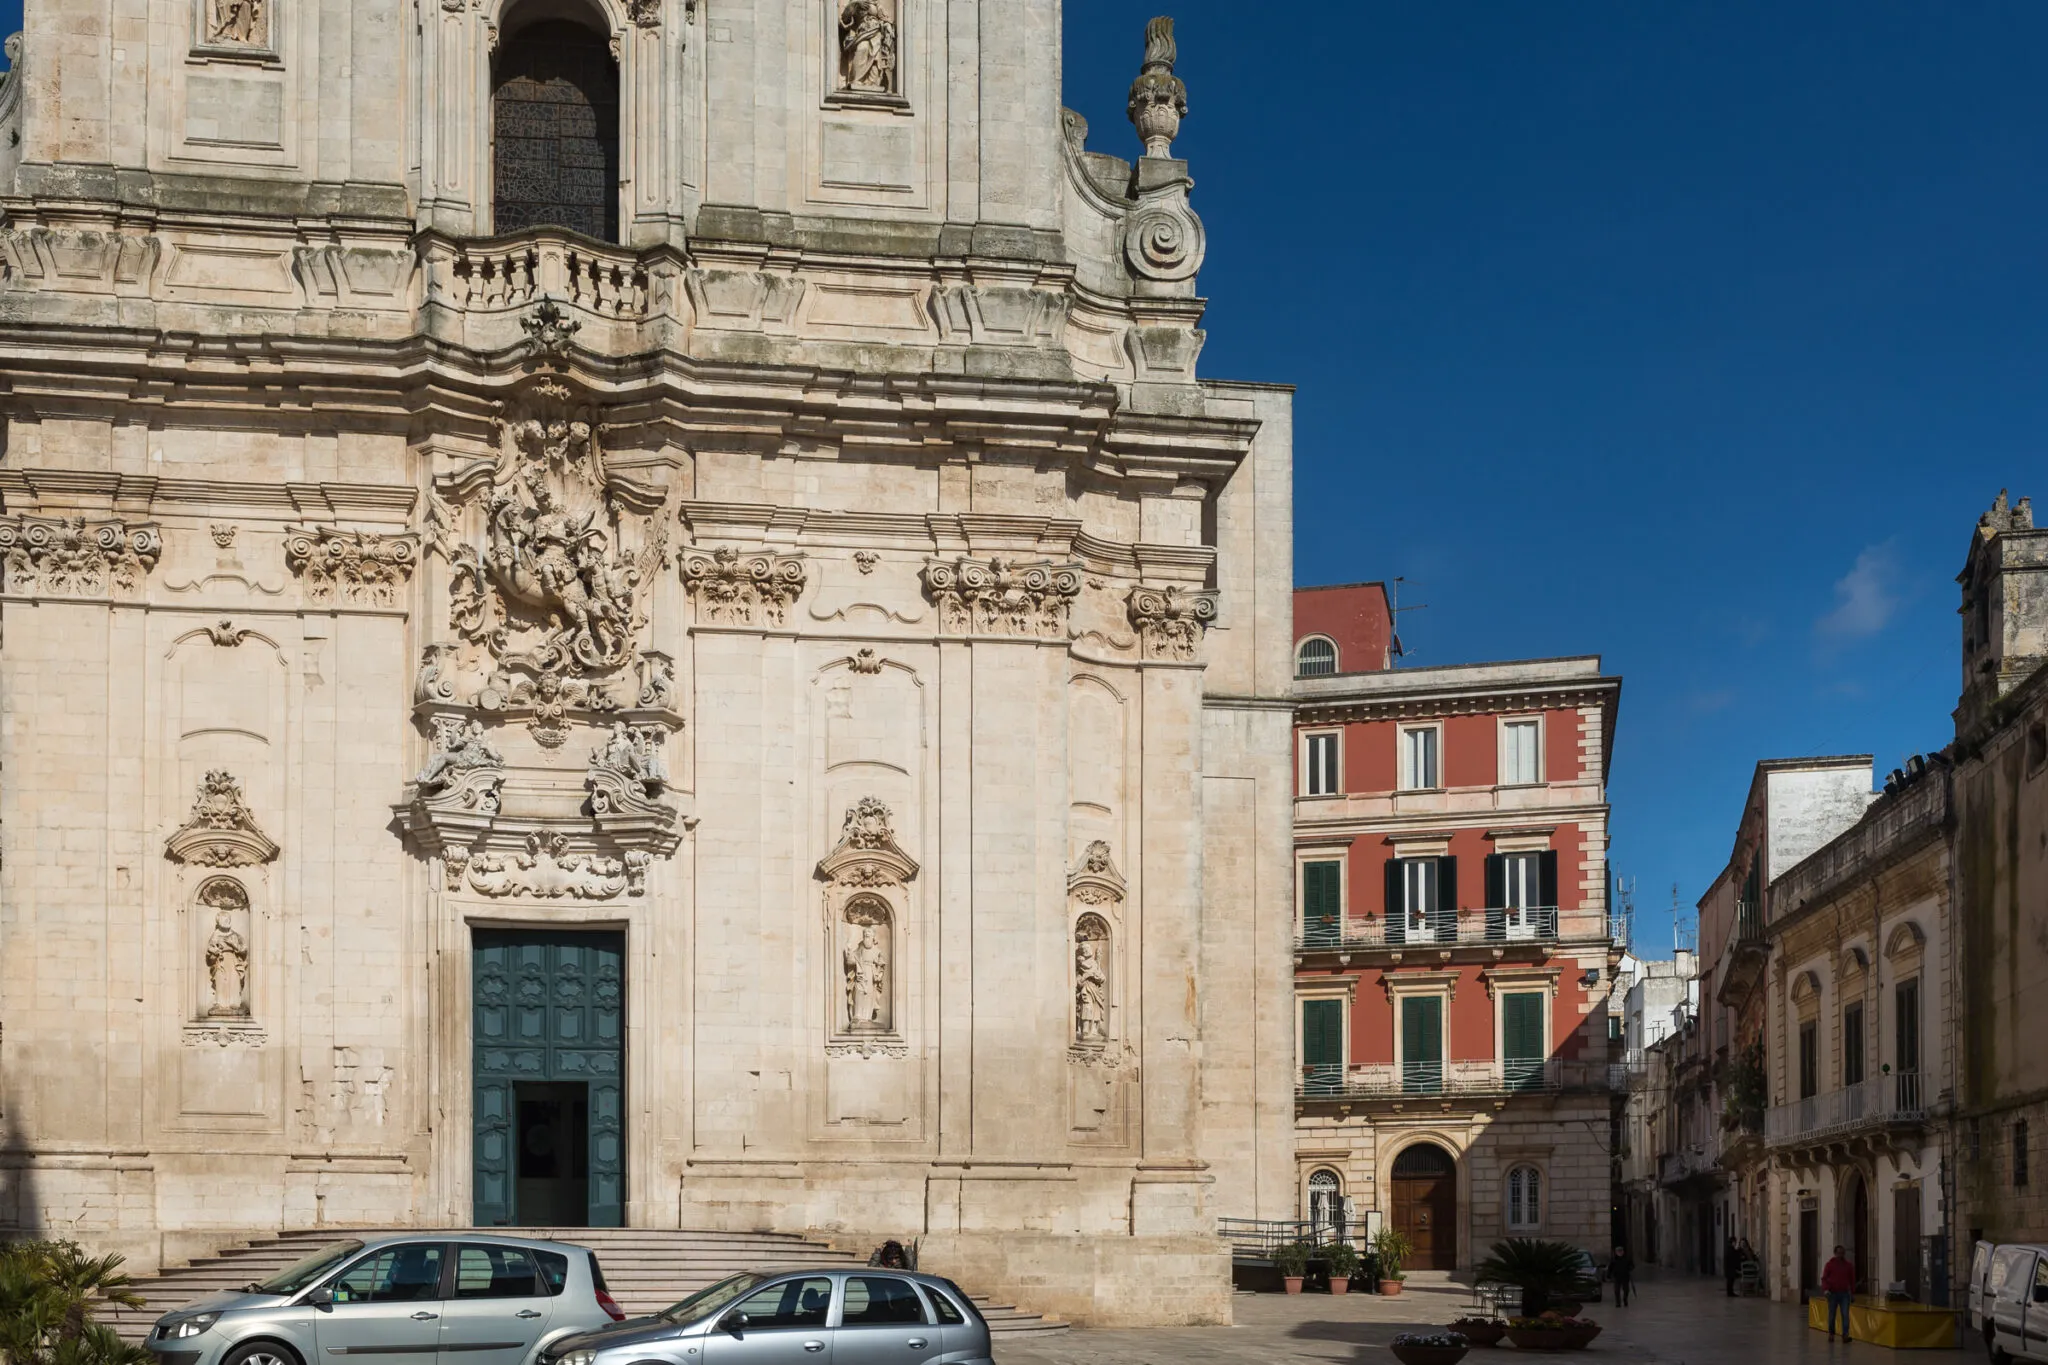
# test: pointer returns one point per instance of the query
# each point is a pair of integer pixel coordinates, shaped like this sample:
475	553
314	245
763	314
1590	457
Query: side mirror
321	1296
735	1322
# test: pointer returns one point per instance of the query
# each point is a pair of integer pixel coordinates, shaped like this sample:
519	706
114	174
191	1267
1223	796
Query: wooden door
1906	1238
1425	1199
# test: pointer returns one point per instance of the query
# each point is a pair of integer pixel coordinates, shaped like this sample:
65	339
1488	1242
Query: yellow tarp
1902	1326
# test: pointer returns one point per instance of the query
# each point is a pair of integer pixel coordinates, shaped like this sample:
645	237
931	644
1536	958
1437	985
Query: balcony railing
1880	1100
1685	1164
1335	1081
1535	924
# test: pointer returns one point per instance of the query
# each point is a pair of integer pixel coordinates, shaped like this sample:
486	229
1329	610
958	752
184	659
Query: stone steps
645	1269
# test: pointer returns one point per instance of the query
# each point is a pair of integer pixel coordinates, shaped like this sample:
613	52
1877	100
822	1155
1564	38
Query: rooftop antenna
1684	931
1394	608
1622	927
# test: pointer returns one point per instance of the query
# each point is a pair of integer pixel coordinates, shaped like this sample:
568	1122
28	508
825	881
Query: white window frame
1418	873
1346	995
1512	1202
1309	742
1508	723
1407	773
1340	854
1524	981
1336	656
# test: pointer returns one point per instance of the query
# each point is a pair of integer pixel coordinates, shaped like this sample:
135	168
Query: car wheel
262	1353
1998	1354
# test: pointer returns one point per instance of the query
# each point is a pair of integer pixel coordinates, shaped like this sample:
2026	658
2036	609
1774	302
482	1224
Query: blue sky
1692	335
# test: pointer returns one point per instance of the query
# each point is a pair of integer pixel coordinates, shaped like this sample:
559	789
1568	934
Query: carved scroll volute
867	878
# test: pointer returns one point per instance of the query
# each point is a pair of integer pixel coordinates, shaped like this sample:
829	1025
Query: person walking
1622	1270
1838	1282
1731	1255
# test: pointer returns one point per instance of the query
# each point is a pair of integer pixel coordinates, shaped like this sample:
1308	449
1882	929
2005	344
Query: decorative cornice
221	831
866	854
1096	881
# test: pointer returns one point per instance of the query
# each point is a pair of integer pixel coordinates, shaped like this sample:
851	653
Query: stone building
1659	998
1454	957
633	611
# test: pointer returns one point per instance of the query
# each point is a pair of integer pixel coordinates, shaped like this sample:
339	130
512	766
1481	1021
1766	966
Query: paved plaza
1674	1321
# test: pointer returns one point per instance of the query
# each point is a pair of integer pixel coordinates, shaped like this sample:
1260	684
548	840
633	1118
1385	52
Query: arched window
555	130
1317	658
1325	1206
1525	1199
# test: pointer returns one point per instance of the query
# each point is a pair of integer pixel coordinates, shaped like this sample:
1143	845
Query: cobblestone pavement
1674	1321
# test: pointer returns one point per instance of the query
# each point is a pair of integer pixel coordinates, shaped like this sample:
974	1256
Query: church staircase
646	1269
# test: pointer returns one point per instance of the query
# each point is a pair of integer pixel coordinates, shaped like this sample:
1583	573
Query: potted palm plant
1343	1259
1291	1259
1392	1246
1548	1273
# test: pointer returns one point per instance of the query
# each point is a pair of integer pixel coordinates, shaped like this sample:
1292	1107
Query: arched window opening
1525	1199
555	131
1325	1206
1317	658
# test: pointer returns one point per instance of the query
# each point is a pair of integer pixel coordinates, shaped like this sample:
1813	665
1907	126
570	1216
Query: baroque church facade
632	612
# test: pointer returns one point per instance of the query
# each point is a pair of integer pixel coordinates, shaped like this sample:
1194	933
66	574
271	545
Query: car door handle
528	1313
424	1317
814	1346
915	1343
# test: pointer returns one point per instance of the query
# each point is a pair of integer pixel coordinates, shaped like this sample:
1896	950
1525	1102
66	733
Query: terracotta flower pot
1480	1333
1293	1283
1539	1338
1390	1286
1340	1284
1428	1355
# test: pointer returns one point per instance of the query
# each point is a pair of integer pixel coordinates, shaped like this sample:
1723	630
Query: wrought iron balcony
1336	1081
1688	1163
1332	934
1874	1103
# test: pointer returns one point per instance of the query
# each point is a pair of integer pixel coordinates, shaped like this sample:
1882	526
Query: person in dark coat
1622	1270
1838	1282
1731	1264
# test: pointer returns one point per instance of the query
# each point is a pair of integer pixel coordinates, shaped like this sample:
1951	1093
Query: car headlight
189	1327
582	1357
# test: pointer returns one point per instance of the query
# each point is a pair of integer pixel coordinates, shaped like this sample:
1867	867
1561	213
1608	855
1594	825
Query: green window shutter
1322	890
1322	1033
1521	1026
1422	1028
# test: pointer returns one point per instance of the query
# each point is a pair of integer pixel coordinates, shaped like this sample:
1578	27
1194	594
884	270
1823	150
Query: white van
2009	1300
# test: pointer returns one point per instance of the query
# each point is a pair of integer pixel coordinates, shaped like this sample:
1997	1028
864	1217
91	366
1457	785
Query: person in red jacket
1838	1282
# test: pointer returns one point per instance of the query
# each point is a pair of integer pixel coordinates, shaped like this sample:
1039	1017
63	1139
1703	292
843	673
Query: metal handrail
1496	924
1896	1098
1335	1080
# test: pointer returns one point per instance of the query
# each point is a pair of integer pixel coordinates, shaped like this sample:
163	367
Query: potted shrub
1481	1331
1544	1332
1547	1273
1291	1259
1343	1261
1392	1246
1437	1348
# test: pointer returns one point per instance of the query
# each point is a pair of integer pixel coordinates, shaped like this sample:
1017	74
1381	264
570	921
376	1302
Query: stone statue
235	21
866	962
867	48
1091	993
458	747
227	967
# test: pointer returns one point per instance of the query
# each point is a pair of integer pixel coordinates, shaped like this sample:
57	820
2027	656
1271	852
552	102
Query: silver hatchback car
798	1317
415	1299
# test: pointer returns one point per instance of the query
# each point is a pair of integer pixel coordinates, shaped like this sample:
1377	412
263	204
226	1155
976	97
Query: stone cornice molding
1096	881
1330	711
26	488
866	854
221	831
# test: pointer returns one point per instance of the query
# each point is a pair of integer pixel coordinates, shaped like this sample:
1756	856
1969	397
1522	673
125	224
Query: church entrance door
549	1142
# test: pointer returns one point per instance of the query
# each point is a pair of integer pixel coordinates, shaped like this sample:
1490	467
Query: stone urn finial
1159	99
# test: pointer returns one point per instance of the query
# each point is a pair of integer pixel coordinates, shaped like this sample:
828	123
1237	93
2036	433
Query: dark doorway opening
1859	1232
1426	1205
555	131
553	1190
1906	1238
1809	1251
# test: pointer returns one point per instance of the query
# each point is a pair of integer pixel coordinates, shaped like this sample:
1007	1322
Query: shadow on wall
19	1212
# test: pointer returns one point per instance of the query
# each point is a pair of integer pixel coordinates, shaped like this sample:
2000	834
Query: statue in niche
1091	984
867	48
227	952
242	22
865	961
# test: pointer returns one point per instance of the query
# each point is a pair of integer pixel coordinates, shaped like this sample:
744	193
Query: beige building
633	611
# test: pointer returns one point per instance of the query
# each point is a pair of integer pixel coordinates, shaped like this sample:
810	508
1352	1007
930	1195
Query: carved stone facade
837	605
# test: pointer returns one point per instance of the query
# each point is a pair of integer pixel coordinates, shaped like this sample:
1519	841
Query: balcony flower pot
1439	1348
1480	1331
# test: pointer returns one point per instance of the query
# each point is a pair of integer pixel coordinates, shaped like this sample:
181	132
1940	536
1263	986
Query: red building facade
1453	954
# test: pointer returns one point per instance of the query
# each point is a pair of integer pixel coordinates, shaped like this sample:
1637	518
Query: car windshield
299	1274
705	1302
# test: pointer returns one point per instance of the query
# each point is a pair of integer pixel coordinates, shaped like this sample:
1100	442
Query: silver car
417	1299
798	1317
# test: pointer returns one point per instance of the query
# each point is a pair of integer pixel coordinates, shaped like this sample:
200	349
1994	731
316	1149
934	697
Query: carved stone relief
735	588
221	831
865	964
227	949
351	567
995	597
1171	621
870	50
1091	981
548	870
238	23
77	558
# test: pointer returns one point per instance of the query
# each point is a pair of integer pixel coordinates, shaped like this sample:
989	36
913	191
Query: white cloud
1864	598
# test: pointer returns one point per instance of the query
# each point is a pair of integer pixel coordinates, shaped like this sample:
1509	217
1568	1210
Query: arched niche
867	905
555	129
1095	904
222	928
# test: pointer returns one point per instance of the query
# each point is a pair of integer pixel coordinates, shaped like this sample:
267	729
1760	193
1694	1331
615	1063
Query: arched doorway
1425	1195
555	127
1325	1206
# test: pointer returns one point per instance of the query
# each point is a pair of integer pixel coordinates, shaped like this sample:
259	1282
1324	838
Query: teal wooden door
548	1007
